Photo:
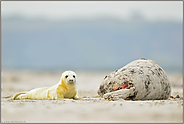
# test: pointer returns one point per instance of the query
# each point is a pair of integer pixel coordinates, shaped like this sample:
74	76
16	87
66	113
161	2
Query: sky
58	10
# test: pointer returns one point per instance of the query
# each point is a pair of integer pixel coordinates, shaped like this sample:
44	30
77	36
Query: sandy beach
91	109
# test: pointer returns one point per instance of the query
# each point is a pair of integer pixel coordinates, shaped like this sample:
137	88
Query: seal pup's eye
73	76
66	76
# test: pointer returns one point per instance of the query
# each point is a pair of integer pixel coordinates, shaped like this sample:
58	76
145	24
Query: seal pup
65	88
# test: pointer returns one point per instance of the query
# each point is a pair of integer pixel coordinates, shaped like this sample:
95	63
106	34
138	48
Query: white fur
65	88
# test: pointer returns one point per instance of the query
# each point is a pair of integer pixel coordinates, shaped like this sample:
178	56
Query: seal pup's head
69	77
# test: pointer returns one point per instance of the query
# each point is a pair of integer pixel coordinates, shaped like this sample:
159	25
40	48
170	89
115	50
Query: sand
91	109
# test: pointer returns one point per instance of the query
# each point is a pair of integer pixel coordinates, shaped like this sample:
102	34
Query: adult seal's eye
73	76
66	76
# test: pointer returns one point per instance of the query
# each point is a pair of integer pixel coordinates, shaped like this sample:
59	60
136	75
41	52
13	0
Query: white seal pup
141	79
65	88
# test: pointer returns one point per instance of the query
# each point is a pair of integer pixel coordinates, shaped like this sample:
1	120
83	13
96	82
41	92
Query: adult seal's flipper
120	94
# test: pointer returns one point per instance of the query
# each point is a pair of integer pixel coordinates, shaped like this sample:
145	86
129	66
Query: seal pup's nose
71	80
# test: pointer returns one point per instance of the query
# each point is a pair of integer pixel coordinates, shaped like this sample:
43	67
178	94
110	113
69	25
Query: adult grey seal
141	79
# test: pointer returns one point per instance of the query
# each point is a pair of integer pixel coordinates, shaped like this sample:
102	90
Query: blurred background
90	35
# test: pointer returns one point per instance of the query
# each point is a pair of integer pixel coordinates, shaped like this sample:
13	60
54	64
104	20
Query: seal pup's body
65	88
